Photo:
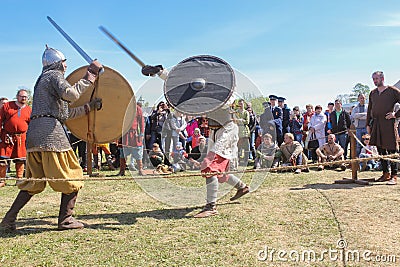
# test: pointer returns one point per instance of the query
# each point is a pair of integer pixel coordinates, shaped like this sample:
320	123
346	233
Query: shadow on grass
109	221
325	186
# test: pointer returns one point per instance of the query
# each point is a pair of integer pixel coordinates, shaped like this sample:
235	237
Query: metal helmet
51	55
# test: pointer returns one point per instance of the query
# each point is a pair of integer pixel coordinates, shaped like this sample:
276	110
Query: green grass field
287	219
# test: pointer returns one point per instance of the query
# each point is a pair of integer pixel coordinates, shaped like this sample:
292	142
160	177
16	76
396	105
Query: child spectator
265	153
368	151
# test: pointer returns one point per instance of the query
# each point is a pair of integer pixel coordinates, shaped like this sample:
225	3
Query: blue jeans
359	133
341	139
298	138
252	140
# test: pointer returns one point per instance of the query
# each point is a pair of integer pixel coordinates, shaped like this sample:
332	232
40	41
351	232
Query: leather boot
393	180
65	219
140	166
385	177
19	168
96	161
3	173
122	167
8	222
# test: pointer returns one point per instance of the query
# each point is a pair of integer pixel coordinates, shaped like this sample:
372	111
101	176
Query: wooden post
89	157
353	152
355	164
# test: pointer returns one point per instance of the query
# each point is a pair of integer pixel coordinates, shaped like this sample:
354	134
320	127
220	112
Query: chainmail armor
50	110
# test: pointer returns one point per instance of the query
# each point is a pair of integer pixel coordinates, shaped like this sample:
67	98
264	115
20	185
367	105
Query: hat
272	97
281	99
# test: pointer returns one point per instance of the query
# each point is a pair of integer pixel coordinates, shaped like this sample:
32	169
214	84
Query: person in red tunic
132	143
14	118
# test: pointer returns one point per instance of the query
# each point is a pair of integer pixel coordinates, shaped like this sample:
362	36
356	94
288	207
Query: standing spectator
178	127
192	124
277	117
14	119
243	119
267	123
306	120
285	115
252	127
328	125
296	124
157	120
317	125
380	123
359	117
341	122
147	137
258	134
132	143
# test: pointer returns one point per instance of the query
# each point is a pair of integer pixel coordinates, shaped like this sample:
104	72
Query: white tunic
318	122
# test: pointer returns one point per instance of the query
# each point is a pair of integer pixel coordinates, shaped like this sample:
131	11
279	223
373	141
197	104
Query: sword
72	42
112	37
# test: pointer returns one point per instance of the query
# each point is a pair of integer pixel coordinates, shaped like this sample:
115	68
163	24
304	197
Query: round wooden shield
117	113
199	85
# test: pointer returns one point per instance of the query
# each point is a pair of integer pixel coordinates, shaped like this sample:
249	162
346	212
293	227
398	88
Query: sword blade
112	37
72	42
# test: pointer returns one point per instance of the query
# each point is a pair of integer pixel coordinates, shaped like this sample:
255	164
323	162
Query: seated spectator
265	153
291	152
179	157
195	158
368	151
157	159
330	152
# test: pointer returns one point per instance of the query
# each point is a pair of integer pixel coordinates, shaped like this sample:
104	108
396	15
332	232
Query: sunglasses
365	138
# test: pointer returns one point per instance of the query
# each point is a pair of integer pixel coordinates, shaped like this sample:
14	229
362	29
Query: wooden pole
353	152
89	157
355	164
